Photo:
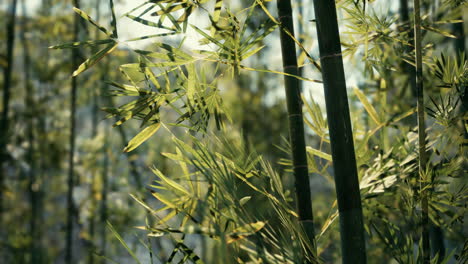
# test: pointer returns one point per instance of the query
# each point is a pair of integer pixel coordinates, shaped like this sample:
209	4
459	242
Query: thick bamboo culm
341	137
296	123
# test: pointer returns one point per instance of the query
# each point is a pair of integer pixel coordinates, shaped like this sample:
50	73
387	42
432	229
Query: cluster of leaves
217	190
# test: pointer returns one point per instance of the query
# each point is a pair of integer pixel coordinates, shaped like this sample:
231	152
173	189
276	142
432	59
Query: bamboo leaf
142	137
151	36
111	228
82	43
90	20
367	105
170	9
148	23
439	31
95	58
319	153
244	231
170	182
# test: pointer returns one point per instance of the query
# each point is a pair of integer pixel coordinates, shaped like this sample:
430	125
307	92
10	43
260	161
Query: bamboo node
331	56
295	115
280	18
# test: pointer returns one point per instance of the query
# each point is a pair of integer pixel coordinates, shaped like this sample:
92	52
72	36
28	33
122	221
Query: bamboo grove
216	131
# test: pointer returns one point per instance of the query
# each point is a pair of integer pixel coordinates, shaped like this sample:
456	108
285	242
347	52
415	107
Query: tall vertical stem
94	93
421	134
296	123
104	190
71	180
4	124
409	69
341	137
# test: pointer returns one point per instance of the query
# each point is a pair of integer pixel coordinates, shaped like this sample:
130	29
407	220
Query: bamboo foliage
232	199
341	137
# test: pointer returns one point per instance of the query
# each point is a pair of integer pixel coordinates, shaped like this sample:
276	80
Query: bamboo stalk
426	253
104	190
94	94
71	176
409	69
296	123
341	137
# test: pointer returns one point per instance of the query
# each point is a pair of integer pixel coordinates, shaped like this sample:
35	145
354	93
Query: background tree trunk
4	131
33	187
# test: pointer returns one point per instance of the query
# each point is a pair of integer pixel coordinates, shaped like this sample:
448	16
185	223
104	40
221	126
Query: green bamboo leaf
95	58
216	15
90	20
142	137
170	9
329	221
111	228
174	50
82	43
213	40
267	28
244	231
148	23
164	200
217	10
244	200
319	153
367	105
250	53
156	64
174	22
170	182
278	72
449	21
439	31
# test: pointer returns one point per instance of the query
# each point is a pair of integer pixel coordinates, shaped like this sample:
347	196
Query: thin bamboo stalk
105	188
426	252
409	69
94	94
296	123
341	137
71	164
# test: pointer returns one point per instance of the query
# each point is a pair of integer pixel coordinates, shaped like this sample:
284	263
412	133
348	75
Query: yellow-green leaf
319	153
95	58
367	105
244	231
142	137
